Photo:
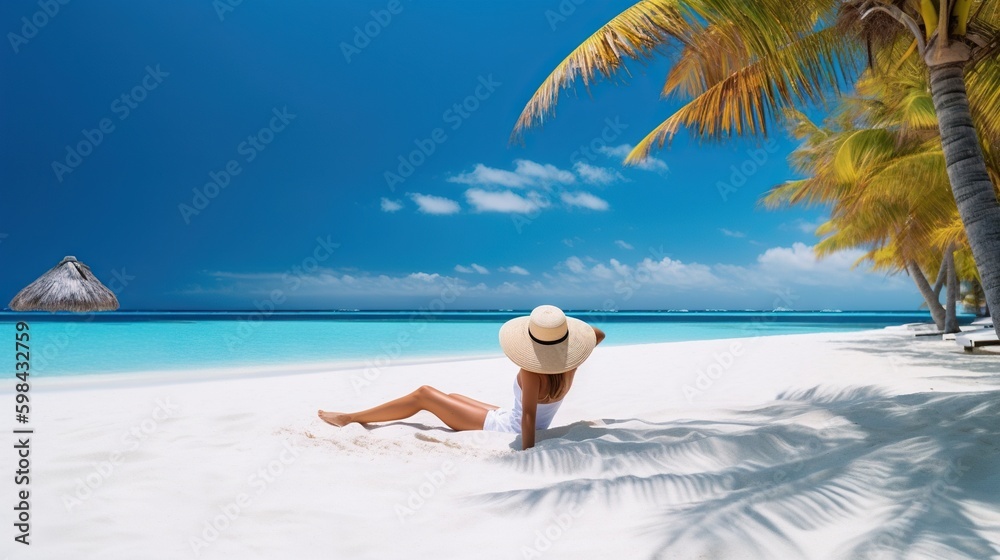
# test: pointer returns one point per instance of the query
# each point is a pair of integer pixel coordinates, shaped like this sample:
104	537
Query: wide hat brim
547	358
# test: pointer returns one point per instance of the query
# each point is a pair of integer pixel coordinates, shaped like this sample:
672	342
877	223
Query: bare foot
338	419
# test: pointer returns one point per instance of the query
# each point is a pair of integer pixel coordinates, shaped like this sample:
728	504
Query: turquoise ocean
124	341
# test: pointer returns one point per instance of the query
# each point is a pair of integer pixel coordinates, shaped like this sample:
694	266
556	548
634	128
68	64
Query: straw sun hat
547	341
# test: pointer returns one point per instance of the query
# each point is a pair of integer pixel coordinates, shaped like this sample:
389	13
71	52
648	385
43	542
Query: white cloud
602	272
807	226
543	174
507	288
483	175
624	245
492	188
574	264
777	268
788	277
424	277
620	151
391	205
515	270
503	201
526	173
651	163
585	200
324	283
471	269
677	274
617	277
597	175
730	233
784	267
654	164
801	258
430	204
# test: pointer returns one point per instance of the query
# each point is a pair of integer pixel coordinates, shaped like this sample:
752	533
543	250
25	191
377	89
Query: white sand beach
861	445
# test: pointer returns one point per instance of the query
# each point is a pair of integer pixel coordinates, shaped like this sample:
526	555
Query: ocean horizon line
470	316
484	310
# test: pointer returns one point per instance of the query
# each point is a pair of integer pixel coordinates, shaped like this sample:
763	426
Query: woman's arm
600	334
529	405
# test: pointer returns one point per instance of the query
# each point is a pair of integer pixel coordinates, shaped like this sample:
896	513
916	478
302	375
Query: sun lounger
968	329
972	340
985	322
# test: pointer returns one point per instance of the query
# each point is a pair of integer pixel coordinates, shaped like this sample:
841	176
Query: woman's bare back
543	387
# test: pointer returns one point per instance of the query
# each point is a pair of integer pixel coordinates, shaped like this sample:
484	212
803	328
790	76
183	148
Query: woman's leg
456	413
473	401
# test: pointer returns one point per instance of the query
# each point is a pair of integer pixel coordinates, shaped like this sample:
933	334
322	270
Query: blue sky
325	155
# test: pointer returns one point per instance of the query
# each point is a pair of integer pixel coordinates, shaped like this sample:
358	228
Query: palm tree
741	63
947	44
885	136
856	172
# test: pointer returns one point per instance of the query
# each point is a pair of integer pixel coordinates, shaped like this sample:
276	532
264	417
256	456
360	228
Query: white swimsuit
503	420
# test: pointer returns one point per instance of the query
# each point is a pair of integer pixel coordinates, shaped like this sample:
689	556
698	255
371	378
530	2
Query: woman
547	345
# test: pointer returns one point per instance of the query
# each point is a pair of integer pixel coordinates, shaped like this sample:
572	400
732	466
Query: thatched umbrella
68	286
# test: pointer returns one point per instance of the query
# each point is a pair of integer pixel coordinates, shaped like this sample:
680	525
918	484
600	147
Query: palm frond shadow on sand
905	466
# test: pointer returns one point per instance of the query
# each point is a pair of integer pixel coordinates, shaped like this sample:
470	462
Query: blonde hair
557	386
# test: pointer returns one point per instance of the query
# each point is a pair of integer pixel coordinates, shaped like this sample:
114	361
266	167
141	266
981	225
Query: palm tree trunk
950	314
970	183
939	283
926	290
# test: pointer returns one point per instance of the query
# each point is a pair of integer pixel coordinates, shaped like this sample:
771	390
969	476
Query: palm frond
635	34
982	83
917	110
801	192
802	127
707	58
733	35
951	232
744	101
860	151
